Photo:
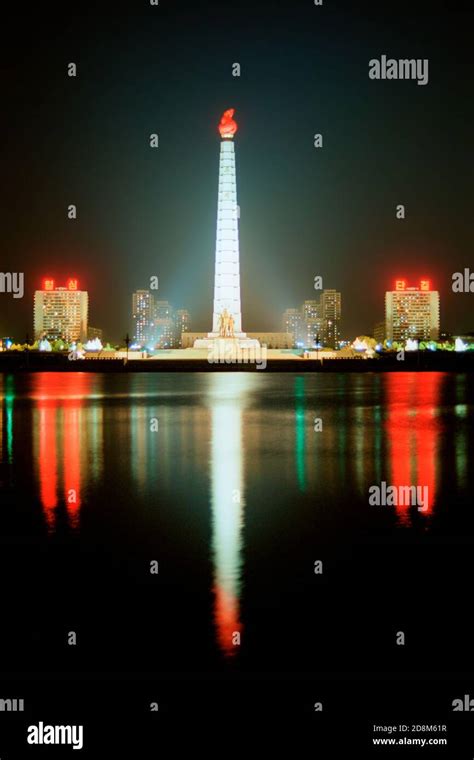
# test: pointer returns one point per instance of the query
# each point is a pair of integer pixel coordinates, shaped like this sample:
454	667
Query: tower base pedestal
232	350
226	345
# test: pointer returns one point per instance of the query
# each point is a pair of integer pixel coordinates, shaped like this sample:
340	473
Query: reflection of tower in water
227	502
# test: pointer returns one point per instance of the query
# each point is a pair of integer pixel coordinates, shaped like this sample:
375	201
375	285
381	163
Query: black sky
304	212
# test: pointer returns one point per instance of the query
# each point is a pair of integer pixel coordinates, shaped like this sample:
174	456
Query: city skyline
305	211
411	310
466	326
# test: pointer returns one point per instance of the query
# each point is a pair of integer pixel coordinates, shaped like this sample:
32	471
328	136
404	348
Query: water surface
236	484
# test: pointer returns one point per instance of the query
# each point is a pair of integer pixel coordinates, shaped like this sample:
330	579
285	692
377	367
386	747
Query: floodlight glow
93	345
459	345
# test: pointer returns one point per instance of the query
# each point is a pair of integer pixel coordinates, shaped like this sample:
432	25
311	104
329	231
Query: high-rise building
165	328
379	331
163	310
182	325
412	312
317	321
311	323
94	333
331	317
143	314
156	323
61	312
292	324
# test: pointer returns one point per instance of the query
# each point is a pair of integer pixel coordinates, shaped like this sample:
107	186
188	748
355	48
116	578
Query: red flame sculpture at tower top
227	125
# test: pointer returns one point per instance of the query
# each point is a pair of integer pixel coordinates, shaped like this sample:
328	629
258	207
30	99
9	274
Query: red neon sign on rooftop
49	283
402	285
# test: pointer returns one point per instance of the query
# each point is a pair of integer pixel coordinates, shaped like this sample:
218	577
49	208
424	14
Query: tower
227	313
227	264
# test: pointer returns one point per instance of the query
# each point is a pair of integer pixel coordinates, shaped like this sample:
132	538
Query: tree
127	344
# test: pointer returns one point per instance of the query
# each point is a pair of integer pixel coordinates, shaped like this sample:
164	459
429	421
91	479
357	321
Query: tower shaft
227	265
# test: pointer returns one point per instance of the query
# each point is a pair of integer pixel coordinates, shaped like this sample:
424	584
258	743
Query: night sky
304	211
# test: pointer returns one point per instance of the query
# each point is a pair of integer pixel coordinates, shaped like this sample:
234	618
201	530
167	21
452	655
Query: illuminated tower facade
227	265
227	313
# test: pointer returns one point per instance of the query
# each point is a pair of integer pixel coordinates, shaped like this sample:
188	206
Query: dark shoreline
413	362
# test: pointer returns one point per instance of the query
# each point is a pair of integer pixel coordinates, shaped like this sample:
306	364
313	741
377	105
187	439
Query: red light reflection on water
413	434
59	403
